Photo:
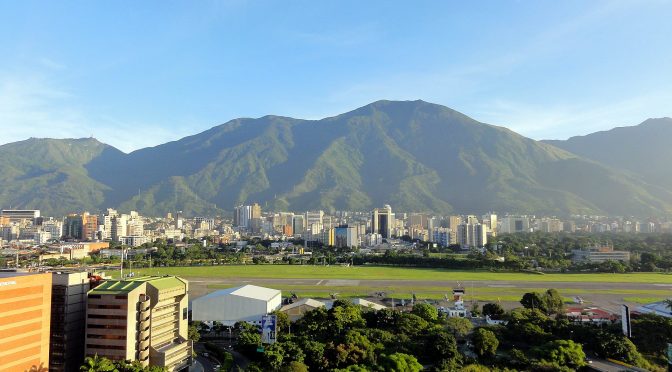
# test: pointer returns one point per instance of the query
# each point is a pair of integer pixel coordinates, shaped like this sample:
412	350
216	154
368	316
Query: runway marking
320	282
502	286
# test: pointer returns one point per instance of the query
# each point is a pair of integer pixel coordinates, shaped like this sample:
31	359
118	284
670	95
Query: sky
140	73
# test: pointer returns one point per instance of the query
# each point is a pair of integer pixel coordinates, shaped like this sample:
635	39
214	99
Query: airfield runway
607	295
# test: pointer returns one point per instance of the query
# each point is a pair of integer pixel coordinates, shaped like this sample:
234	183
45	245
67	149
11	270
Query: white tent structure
229	306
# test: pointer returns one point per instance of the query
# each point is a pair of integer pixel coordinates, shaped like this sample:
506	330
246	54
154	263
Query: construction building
143	319
25	312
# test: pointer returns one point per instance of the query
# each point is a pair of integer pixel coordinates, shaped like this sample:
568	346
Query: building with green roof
143	318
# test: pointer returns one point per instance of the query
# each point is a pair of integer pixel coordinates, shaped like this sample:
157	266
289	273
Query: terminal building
599	254
143	319
25	317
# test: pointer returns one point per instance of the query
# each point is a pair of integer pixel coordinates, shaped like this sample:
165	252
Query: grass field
391	273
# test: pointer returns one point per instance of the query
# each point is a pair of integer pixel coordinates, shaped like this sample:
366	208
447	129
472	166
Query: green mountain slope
50	174
415	156
643	150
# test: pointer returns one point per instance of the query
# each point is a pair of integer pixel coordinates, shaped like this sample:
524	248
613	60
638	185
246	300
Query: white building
229	306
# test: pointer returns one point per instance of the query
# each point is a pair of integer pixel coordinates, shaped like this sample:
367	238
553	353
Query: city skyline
546	70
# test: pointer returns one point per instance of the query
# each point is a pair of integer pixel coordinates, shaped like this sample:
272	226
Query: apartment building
142	319
25	303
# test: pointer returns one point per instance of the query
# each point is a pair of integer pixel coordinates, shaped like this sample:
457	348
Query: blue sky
136	74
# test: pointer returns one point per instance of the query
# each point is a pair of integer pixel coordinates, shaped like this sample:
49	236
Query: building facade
68	320
25	318
143	319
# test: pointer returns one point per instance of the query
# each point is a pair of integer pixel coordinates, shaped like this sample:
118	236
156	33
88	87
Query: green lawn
390	273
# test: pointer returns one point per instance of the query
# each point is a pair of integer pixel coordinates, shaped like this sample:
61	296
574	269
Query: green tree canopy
485	342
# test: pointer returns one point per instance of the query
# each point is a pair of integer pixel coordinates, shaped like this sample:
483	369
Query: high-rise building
454	222
143	319
345	236
382	221
73	227
68	320
243	214
472	235
25	317
298	224
314	217
514	224
179	219
255	211
89	226
490	220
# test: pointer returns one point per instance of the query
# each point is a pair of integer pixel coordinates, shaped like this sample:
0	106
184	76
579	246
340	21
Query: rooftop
249	291
658	308
14	274
304	301
127	285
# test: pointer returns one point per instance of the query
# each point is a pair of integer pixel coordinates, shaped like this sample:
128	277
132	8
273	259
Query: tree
564	353
493	310
282	321
426	312
534	300
97	364
485	342
554	302
399	362
459	327
440	345
193	333
295	367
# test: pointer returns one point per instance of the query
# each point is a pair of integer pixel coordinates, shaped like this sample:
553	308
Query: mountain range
413	155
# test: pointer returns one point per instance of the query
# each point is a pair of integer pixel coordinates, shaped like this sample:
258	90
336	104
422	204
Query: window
185	313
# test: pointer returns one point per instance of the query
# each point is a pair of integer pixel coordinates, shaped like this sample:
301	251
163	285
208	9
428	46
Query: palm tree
98	364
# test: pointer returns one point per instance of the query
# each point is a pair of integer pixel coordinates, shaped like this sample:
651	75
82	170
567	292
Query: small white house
229	306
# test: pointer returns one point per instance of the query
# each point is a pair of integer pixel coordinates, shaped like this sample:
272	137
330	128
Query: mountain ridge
415	155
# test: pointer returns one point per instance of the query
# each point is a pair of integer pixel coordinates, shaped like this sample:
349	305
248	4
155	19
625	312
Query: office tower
472	220
243	214
514	224
73	227
298	224
143	319
179	219
490	220
345	236
25	303
454	222
472	235
255	211
314	217
89	226
382	221
68	320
